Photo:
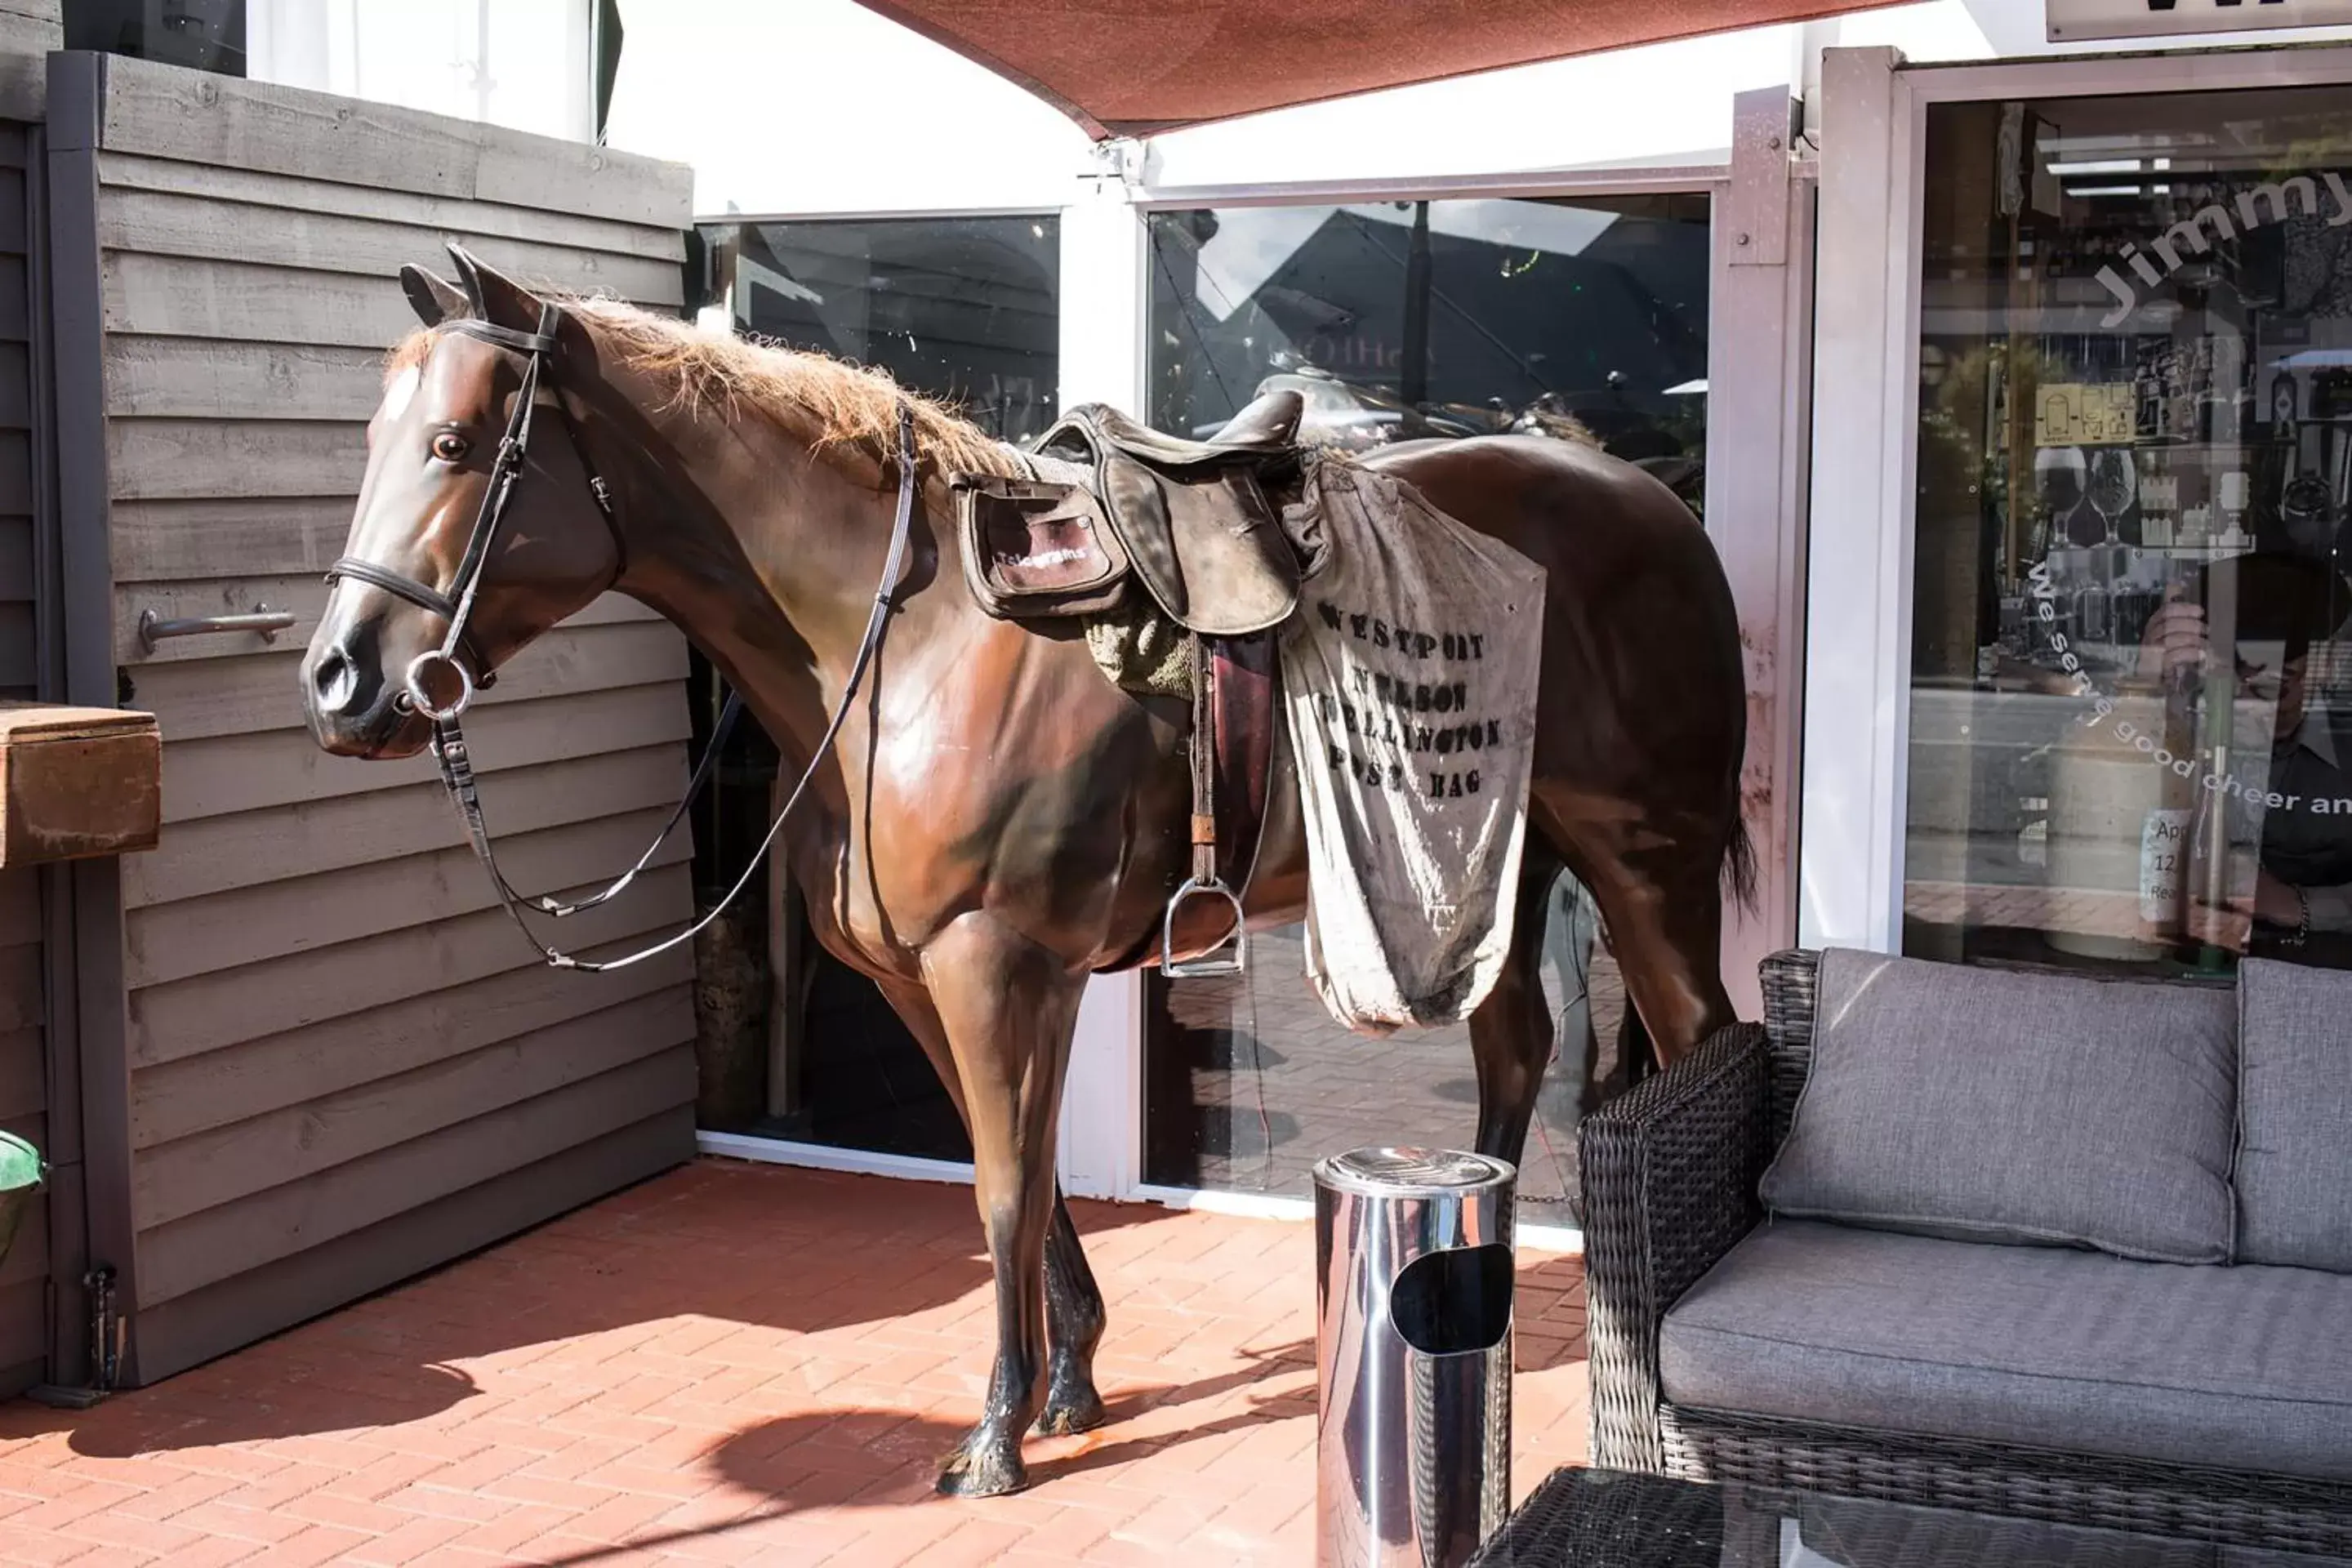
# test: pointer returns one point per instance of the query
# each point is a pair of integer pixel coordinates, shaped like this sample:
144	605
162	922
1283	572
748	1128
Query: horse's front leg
1074	1303
1009	1006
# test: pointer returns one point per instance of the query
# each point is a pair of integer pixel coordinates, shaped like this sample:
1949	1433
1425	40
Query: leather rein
456	607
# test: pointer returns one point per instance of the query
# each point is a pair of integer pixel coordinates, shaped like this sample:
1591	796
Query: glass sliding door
966	309
2131	710
1582	320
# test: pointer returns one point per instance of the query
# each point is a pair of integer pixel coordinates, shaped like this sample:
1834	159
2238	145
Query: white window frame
1865	516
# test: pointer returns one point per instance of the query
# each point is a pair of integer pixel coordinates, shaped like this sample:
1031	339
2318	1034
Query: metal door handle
262	619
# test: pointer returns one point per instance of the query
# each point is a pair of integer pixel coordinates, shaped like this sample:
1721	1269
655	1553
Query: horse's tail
1740	865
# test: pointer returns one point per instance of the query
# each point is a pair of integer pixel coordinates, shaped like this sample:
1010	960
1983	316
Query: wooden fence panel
344	1065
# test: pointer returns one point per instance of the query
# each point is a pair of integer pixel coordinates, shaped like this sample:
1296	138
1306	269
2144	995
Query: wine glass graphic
2058	479
2114	482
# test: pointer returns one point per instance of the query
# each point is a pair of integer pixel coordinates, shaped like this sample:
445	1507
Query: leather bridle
456	606
473	672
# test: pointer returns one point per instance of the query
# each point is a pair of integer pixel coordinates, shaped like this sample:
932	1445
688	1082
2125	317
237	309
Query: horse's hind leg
1666	929
1511	1030
1074	1303
1009	1006
1073	1326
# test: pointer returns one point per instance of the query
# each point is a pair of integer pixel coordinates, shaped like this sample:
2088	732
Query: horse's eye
450	447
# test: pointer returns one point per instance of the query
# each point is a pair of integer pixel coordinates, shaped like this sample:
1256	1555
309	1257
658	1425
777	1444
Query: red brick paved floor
737	1364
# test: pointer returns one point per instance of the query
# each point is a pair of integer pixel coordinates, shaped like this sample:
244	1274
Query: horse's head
434	447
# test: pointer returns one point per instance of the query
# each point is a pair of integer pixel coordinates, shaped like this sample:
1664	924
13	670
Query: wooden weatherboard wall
34	1088
336	1064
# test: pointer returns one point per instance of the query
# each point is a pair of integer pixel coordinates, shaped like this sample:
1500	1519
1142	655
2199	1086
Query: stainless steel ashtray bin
1412	1355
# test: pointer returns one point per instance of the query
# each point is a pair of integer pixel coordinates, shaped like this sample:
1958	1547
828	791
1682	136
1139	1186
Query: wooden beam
92	892
175	1180
246	693
223	1242
305	596
197	1327
24	1086
174	296
201	378
249	925
191	459
236	773
472	220
29	29
168	112
20	987
205	226
179	1099
272	535
248	849
219	1011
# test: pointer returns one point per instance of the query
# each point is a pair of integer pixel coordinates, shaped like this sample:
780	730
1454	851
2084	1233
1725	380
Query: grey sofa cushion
2245	1368
1957	1102
1853	1532
2294	1109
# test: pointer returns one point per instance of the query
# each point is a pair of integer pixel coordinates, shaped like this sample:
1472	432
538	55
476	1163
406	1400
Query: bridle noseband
474	674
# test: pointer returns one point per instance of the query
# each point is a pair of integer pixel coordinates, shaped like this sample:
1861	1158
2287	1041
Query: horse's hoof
1072	1411
984	1468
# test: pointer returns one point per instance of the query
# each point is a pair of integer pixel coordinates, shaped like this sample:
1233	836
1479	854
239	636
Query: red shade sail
1130	68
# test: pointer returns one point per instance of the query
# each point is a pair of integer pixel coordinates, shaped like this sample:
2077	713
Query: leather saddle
1197	524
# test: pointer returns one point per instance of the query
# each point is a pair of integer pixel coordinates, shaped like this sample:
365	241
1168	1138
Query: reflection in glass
1401	320
2131	728
1576	320
964	309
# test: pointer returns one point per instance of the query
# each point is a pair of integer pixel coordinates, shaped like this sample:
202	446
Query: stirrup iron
1214	961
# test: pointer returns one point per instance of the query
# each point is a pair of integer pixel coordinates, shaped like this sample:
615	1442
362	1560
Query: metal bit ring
422	699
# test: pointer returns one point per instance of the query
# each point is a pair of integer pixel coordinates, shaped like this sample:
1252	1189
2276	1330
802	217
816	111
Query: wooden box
77	781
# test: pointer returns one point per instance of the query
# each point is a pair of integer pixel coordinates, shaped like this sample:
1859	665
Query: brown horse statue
997	820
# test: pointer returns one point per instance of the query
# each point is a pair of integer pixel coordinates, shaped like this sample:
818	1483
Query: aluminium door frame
1864	447
1760	344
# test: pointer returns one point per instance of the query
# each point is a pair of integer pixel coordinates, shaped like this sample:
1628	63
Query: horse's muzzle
353	712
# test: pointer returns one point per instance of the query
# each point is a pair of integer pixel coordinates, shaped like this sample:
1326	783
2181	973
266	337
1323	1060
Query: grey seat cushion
2245	1368
1961	1101
2295	1108
1853	1532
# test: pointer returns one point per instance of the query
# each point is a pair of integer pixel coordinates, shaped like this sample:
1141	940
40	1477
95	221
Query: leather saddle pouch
1035	549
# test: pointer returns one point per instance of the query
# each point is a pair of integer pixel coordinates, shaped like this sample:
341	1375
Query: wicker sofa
1680	1248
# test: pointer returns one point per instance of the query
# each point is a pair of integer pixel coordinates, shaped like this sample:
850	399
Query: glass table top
1588	1518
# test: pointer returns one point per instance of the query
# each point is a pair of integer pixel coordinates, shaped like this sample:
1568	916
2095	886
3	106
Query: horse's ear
435	299
493	296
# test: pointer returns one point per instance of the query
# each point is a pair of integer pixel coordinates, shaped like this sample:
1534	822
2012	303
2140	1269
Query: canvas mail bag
1409	676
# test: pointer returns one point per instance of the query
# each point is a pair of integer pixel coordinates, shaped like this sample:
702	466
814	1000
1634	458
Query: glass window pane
967	310
2130	708
1582	319
964	309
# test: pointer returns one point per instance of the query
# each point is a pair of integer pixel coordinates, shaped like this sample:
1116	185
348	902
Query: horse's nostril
335	680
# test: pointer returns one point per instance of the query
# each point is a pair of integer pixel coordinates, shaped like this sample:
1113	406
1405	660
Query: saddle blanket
1409	674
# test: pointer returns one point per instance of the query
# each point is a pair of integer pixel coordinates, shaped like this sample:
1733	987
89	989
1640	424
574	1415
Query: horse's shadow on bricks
671	1268
888	1457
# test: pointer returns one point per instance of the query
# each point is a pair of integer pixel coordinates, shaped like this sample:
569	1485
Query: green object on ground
21	1171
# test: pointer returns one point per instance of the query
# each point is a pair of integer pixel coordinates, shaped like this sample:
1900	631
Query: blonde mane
829	402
